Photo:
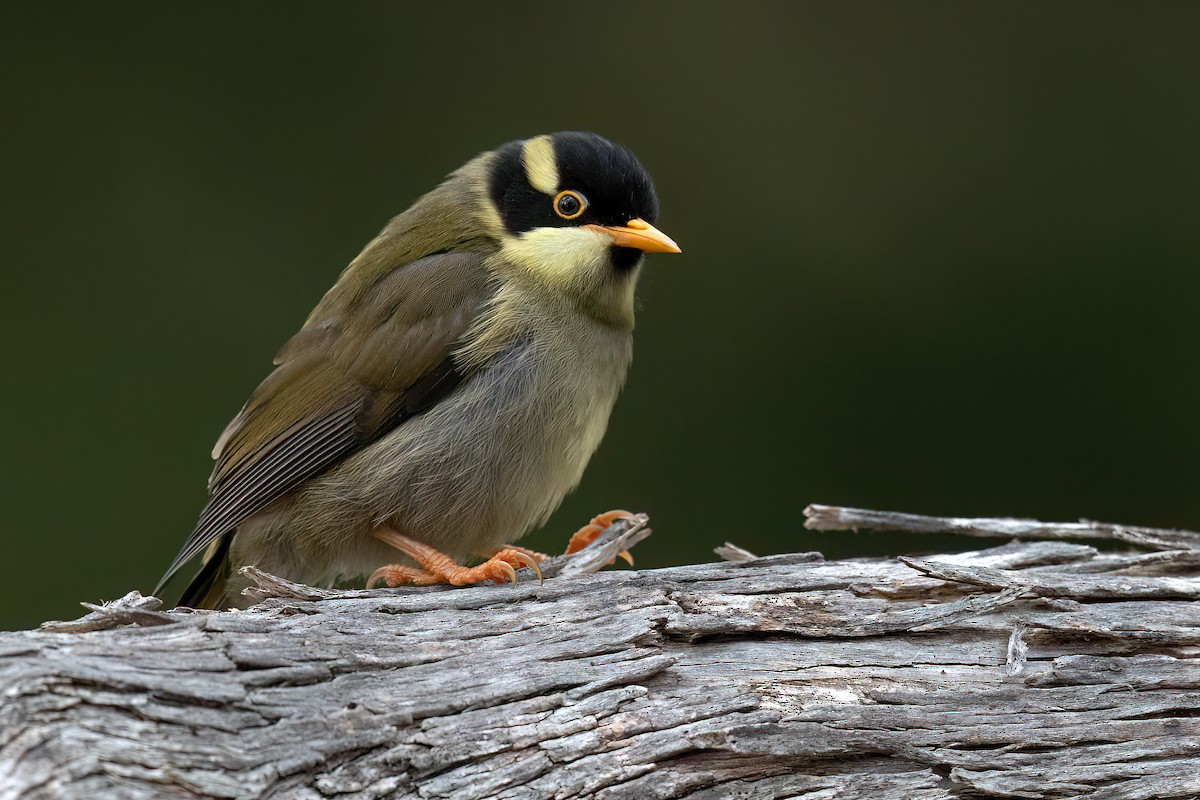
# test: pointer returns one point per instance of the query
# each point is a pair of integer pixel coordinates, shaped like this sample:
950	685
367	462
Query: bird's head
574	212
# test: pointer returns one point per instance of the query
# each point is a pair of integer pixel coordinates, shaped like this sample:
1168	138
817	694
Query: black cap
614	185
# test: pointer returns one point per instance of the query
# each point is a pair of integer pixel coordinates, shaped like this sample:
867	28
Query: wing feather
347	378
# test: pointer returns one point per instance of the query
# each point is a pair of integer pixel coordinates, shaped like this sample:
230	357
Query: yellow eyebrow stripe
541	168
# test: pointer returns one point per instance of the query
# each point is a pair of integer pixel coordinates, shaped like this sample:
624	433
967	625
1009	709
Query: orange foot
588	533
534	554
441	568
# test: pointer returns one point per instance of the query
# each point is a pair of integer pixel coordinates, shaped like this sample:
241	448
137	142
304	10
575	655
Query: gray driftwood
1037	669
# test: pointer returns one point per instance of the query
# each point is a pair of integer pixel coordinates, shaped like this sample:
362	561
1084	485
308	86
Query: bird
447	392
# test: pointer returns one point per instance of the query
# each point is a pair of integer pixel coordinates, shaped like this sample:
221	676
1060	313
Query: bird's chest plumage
561	393
496	457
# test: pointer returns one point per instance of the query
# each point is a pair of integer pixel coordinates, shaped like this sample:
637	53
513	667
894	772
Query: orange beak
639	234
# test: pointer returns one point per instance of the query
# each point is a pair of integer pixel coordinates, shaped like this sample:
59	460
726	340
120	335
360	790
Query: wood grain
1039	669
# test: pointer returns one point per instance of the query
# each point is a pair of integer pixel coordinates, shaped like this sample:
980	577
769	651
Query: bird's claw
529	561
437	567
589	533
507	571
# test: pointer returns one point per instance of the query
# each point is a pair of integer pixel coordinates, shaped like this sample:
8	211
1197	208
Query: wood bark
1042	668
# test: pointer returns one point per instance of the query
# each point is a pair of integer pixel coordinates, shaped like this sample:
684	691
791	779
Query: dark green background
939	257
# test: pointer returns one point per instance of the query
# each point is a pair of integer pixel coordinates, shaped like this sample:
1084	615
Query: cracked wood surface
1038	669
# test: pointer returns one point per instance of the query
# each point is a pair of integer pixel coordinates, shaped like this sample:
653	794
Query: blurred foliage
939	257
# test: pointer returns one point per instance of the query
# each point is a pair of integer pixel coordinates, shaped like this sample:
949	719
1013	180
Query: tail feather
208	588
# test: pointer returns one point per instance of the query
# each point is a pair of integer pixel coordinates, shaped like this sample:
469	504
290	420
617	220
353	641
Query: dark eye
569	204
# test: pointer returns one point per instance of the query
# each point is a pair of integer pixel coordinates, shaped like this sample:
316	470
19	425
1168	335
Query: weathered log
1039	669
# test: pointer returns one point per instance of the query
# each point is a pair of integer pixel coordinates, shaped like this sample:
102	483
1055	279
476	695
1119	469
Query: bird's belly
478	470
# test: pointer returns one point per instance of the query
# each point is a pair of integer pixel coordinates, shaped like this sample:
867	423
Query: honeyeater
445	395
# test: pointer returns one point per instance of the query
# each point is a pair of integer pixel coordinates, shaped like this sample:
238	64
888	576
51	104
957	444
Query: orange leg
588	533
441	568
